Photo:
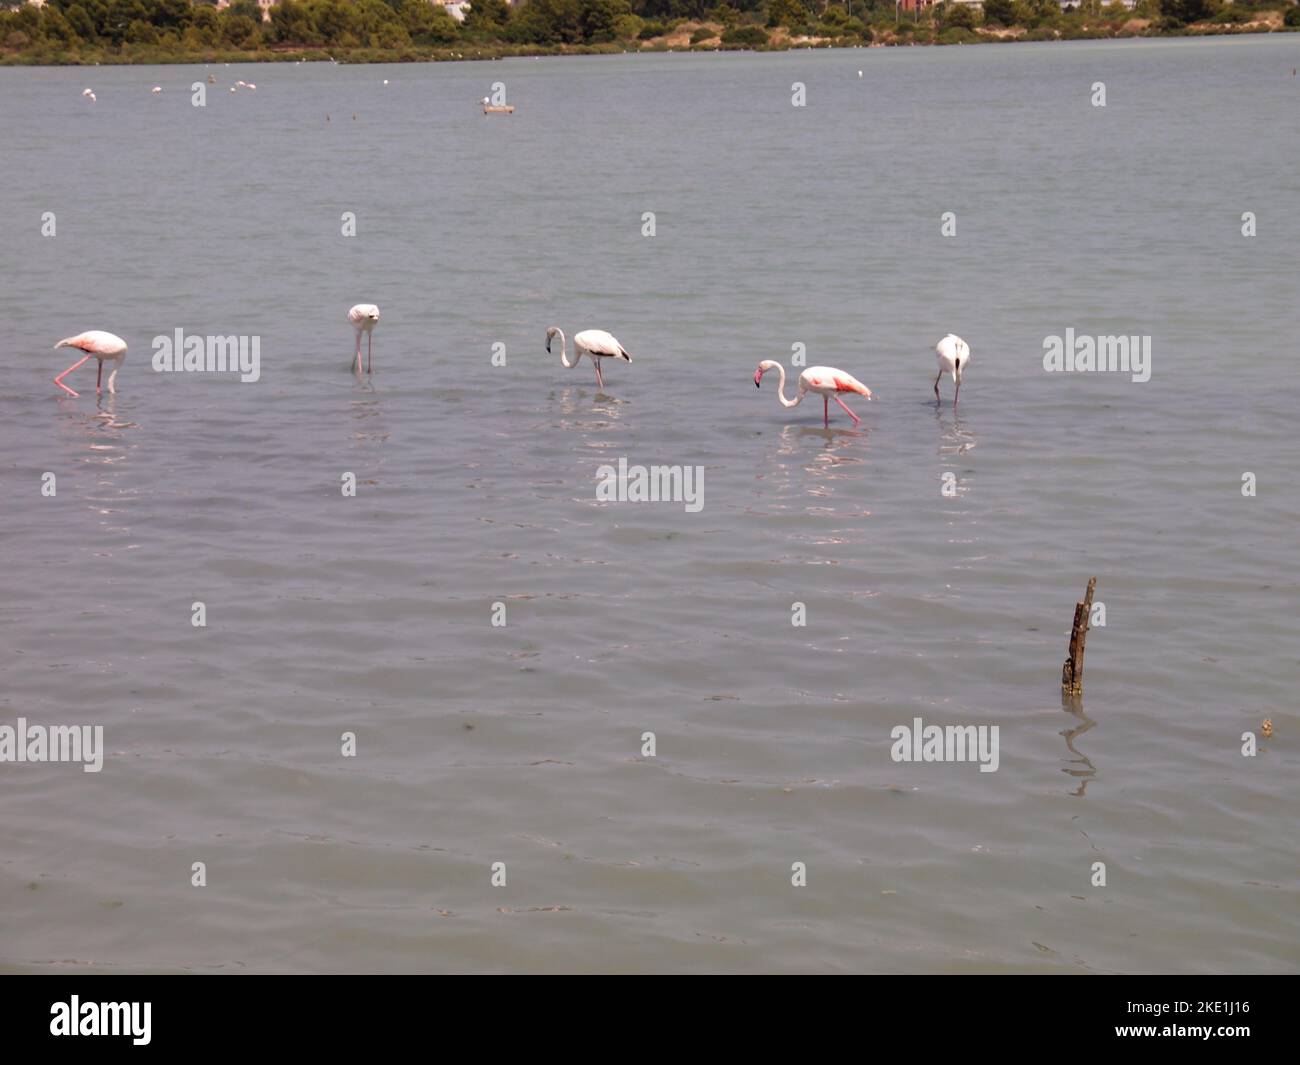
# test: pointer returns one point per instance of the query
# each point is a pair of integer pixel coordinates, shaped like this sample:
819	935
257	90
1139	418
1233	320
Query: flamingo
954	355
596	344
363	318
827	381
101	346
156	89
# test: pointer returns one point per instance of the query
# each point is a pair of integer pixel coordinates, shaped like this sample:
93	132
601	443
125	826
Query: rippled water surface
522	744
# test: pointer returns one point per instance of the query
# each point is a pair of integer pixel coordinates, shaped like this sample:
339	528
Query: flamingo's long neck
780	389
564	352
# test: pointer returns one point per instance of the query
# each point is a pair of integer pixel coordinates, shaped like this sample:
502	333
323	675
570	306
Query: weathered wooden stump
1072	671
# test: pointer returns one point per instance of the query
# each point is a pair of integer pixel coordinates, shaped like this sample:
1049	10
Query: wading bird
954	355
596	344
826	381
363	318
96	344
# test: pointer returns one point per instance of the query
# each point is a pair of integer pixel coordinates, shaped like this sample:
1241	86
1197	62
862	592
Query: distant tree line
64	30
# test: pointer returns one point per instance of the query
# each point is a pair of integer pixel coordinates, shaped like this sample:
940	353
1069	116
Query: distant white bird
486	100
363	317
156	88
233	89
97	344
385	81
252	87
954	355
86	92
596	344
241	84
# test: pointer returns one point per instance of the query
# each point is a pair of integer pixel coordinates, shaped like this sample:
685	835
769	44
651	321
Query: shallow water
521	744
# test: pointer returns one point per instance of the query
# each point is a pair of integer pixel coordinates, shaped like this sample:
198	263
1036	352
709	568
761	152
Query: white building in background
265	5
455	8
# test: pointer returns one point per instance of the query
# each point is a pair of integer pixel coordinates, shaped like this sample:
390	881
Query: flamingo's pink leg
841	402
358	351
99	377
600	381
370	343
826	412
936	385
955	395
59	380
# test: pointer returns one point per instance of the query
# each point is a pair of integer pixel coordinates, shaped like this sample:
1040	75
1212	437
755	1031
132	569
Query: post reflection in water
1080	765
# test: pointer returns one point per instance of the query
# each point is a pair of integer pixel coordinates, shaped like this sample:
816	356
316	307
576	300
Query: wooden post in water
1072	671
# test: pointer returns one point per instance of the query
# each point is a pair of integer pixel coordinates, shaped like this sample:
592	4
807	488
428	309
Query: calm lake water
774	225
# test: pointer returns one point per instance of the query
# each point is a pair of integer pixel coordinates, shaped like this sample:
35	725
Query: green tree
248	8
292	24
487	18
1181	12
1000	12
787	13
81	22
598	18
240	30
959	16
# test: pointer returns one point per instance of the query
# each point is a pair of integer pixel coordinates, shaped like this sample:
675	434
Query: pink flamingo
596	344
101	346
363	318
827	381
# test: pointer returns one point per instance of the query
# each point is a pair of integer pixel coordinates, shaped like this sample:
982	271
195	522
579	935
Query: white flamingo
96	344
596	344
363	318
826	381
954	356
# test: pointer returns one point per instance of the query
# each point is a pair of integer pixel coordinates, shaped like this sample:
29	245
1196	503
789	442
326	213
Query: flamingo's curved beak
758	378
548	345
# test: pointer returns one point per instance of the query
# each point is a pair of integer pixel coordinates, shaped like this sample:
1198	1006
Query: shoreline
146	55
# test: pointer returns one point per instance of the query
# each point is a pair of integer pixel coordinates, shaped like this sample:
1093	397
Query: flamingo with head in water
363	317
826	381
953	354
96	344
596	344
